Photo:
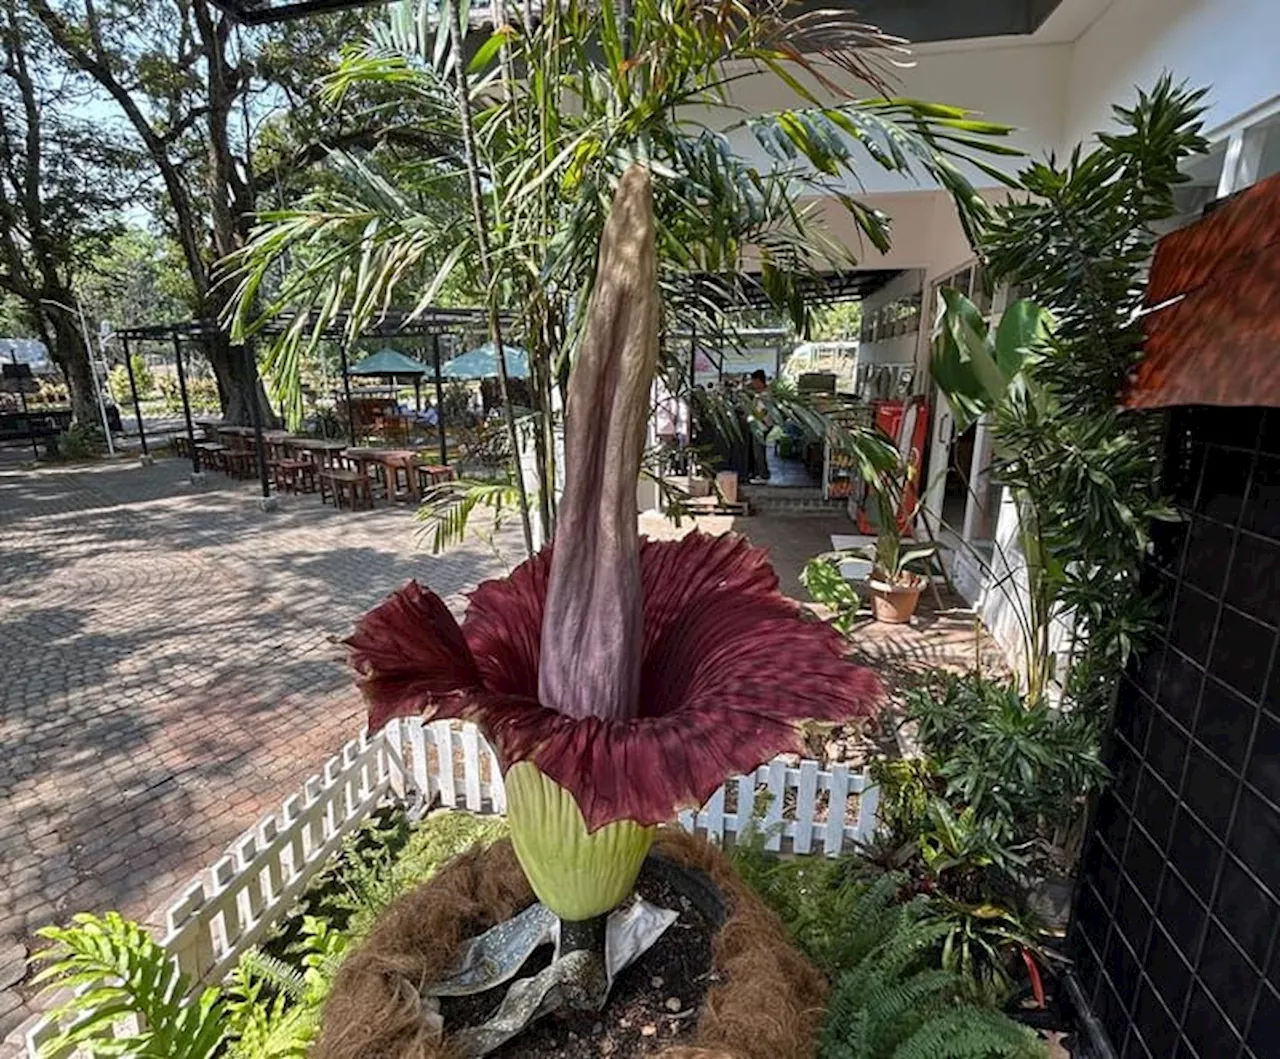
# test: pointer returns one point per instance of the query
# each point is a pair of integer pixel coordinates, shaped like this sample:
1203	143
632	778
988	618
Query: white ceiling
1070	20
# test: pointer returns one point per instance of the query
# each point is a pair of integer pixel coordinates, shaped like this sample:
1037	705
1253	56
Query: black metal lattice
1178	910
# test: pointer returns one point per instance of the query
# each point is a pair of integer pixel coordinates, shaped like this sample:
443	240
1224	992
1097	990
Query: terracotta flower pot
894	604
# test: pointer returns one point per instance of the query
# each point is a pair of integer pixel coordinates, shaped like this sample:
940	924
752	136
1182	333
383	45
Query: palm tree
526	139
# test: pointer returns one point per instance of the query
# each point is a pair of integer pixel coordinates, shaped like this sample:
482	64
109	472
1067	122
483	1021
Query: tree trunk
236	389
68	351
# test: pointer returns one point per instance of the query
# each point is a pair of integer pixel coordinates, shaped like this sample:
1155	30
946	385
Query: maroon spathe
590	662
729	666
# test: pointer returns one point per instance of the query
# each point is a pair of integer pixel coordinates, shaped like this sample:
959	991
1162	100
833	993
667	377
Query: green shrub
79	442
825	584
1024	768
375	877
118	381
817	898
202	394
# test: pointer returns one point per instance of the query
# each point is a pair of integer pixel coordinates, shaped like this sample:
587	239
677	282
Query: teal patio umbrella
482	363
392	364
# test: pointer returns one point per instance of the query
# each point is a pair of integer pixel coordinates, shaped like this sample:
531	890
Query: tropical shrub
1020	765
80	441
118	381
825	584
1083	474
202	393
906	982
994	804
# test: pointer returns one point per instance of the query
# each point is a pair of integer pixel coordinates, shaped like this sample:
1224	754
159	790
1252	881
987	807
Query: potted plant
895	587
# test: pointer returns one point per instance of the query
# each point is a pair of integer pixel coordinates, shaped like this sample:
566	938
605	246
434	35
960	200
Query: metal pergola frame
395	323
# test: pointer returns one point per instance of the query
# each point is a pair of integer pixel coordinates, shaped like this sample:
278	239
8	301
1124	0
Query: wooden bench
294	476
349	484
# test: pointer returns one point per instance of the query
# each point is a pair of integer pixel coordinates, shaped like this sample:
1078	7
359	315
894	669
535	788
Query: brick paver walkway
168	673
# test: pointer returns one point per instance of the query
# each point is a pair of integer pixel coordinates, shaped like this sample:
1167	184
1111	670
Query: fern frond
282	976
894	1002
971	1033
129	997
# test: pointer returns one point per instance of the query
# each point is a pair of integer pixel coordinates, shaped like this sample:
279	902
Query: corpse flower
617	679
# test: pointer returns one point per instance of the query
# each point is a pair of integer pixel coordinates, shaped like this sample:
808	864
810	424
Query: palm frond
447	509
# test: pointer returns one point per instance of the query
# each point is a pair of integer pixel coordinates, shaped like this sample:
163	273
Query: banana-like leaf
974	366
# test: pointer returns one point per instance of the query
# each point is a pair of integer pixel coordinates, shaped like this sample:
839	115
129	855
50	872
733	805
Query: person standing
759	455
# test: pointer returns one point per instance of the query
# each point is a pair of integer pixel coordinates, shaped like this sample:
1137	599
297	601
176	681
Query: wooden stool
181	446
433	474
238	463
295	476
212	455
349	484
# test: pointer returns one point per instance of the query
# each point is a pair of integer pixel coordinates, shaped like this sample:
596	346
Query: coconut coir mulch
764	1001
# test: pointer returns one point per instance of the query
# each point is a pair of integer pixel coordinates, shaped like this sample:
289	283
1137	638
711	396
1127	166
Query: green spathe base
576	874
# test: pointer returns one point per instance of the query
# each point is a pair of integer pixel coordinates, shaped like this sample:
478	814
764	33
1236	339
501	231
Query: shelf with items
840	479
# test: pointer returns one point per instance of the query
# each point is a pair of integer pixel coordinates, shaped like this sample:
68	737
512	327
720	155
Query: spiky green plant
273	1007
372	881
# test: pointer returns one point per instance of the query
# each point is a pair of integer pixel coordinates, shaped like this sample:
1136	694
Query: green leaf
488	51
1023	326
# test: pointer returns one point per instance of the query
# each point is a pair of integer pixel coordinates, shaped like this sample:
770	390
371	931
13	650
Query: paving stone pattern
169	672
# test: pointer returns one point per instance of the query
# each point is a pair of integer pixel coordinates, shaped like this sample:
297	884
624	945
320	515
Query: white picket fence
228	907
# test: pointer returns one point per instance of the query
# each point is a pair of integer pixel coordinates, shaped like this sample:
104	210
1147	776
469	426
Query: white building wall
1227	45
898	349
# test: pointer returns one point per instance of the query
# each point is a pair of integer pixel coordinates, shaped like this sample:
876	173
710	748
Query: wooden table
387	465
432	474
323	452
278	443
237	436
212	455
294	476
348	488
